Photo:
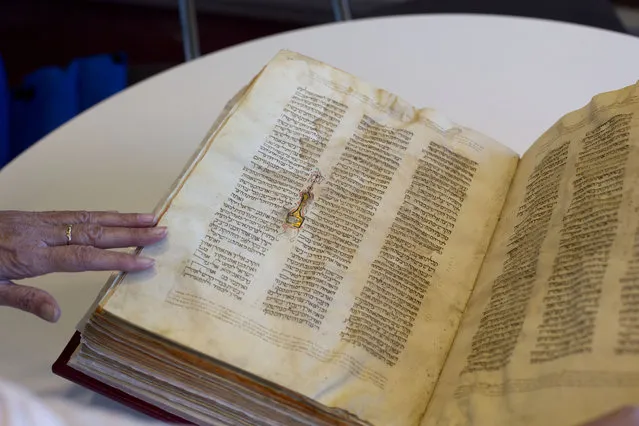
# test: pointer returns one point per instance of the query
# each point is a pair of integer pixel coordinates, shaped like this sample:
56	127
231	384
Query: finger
625	416
98	218
103	237
29	299
86	258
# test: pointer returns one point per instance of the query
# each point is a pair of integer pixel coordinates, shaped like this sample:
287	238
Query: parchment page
551	332
327	241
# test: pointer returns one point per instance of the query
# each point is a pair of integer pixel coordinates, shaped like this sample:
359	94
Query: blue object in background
51	96
99	77
46	99
4	116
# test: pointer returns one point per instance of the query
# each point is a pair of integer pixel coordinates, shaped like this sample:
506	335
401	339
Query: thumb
29	299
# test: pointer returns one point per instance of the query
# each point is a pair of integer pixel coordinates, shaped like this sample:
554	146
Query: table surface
510	78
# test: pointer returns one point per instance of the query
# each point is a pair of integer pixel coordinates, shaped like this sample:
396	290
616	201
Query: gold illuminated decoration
295	218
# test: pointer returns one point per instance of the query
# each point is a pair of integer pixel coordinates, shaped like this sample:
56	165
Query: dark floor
36	33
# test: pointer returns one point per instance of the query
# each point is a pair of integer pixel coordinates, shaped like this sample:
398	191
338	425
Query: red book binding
62	369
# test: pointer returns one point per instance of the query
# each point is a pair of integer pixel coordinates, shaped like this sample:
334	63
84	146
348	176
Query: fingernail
146	218
49	312
146	262
160	230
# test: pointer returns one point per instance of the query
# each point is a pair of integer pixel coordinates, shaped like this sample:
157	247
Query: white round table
509	78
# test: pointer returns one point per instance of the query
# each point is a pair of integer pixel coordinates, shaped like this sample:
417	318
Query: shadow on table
86	398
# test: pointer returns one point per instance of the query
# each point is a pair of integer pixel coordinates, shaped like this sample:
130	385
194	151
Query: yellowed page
165	202
551	332
327	241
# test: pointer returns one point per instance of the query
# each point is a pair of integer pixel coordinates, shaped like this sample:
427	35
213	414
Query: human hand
626	416
37	243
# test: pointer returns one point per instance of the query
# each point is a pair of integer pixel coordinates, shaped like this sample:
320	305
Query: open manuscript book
337	256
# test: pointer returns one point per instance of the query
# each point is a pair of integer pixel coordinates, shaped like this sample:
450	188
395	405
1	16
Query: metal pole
342	10
188	21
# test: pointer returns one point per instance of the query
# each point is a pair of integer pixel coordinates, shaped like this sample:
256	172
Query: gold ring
68	233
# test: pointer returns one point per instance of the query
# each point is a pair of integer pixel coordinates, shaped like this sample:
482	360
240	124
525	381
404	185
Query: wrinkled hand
35	243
